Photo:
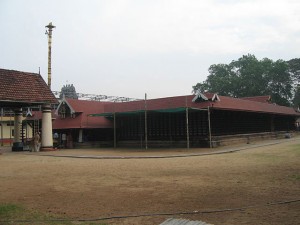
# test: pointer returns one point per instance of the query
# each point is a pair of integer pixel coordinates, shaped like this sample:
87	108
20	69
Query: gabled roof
86	106
217	102
23	88
81	109
206	97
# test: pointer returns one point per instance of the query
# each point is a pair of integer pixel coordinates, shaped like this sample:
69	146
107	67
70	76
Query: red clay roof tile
225	103
82	109
24	87
264	99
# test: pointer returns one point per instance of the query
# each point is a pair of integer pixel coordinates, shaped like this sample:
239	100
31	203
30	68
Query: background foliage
249	76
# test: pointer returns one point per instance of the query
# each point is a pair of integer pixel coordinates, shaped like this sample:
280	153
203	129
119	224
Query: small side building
75	129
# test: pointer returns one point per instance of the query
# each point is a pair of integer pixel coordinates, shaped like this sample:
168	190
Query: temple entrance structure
20	90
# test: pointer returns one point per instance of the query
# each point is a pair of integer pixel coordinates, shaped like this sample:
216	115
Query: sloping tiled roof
225	103
228	103
265	98
86	106
24	87
82	109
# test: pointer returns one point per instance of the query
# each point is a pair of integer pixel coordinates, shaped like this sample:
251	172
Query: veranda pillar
17	145
80	136
47	138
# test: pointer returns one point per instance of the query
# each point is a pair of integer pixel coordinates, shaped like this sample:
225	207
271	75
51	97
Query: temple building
205	119
201	120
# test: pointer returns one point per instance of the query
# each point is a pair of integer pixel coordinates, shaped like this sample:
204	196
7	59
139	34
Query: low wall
93	144
6	142
152	144
194	142
249	138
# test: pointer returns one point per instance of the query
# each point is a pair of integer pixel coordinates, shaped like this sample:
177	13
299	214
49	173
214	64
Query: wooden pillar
187	128
10	119
2	136
170	129
80	136
146	128
141	129
209	127
115	132
17	144
272	123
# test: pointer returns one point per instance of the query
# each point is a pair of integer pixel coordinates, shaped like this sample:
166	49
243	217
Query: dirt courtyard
84	188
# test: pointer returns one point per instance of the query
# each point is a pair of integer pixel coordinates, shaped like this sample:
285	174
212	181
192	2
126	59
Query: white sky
131	47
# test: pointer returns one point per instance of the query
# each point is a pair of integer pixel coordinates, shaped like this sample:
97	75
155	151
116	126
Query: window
63	112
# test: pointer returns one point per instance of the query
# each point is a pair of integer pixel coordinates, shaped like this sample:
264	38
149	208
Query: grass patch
17	214
295	177
9	210
277	155
267	157
296	150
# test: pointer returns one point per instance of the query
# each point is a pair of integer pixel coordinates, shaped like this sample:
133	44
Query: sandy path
92	188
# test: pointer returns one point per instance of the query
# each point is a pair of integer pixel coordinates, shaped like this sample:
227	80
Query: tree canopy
249	76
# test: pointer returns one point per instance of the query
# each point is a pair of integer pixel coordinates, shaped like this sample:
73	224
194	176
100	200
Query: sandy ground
82	188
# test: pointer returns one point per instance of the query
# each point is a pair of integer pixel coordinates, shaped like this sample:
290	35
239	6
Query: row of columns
47	138
187	128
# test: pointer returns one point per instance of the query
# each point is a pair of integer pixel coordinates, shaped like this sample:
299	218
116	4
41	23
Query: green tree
219	80
279	83
249	76
296	100
294	69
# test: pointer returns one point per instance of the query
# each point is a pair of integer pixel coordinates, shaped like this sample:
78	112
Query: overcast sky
131	47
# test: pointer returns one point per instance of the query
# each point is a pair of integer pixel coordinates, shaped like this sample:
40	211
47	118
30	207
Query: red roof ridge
73	99
82	106
18	71
261	98
161	98
212	100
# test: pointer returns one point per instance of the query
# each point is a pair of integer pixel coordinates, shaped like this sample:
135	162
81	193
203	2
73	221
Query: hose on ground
153	214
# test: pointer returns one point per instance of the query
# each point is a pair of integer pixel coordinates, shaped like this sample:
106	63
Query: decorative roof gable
82	108
63	103
199	97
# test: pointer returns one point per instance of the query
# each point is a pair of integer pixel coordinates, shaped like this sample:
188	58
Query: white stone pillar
17	145
47	138
80	136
